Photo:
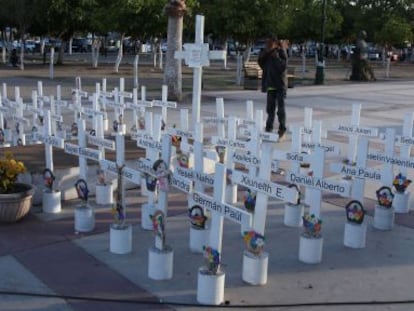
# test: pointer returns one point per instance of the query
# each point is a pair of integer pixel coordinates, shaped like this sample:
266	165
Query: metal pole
320	67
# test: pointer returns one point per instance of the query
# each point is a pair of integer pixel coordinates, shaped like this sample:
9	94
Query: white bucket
255	268
160	263
120	239
293	215
84	219
400	202
210	287
104	194
147	210
310	249
198	238
51	201
383	218
355	235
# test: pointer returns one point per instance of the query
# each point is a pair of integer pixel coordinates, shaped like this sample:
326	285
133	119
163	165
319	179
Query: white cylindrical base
310	249
84	219
355	235
293	215
147	210
160	263
51	201
255	268
104	194
210	287
198	238
383	218
400	202
120	239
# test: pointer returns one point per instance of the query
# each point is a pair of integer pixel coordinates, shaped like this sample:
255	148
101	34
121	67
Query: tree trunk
120	54
173	69
175	10
70	46
22	57
61	53
96	43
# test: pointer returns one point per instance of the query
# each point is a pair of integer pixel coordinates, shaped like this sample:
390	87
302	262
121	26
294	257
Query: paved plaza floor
45	265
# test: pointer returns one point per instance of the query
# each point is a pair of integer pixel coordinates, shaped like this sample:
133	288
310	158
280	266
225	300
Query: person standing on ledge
273	61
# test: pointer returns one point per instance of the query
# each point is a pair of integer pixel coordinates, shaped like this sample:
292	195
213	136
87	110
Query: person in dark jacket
273	61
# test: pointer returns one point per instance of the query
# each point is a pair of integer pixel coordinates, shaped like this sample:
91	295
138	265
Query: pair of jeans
274	98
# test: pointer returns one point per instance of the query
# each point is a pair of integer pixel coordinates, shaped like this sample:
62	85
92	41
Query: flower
9	170
312	226
249	200
213	259
385	197
401	182
355	212
254	242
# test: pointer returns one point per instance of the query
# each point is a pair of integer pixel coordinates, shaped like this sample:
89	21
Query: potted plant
401	195
51	200
84	214
384	213
311	240
355	228
15	198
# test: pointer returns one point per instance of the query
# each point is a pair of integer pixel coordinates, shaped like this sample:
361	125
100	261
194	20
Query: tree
18	14
395	31
175	10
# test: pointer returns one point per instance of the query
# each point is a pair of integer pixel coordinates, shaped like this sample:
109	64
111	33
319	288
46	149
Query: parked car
29	46
257	47
374	54
80	45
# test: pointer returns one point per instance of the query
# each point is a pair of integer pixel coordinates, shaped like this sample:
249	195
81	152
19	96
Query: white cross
197	55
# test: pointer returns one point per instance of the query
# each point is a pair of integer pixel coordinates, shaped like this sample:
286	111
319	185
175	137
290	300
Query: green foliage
243	20
395	31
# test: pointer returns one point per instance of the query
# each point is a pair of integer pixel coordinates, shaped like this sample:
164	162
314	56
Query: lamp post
320	67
